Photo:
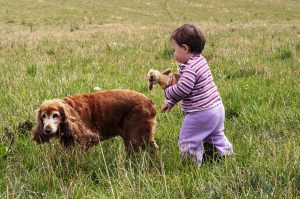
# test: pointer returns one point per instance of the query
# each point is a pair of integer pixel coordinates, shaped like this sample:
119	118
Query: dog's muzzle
47	131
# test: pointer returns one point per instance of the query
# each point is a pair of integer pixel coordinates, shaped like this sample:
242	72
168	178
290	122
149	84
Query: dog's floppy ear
166	72
38	134
77	129
150	78
150	85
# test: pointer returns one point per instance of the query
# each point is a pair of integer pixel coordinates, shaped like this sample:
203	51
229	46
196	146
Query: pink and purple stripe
195	88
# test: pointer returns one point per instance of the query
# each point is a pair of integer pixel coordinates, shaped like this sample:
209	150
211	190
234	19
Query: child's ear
185	47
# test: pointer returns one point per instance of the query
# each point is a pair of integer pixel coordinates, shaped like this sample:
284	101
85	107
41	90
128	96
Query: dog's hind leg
152	124
139	135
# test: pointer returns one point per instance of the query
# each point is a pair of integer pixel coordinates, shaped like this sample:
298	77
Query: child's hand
165	108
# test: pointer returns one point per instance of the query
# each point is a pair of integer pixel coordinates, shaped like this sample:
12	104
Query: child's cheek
176	58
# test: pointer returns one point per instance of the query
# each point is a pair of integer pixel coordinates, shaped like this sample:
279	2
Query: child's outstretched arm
182	89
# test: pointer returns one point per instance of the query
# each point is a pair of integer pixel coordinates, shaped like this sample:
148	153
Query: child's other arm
182	89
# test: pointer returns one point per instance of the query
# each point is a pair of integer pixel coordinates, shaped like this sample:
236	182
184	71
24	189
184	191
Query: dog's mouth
48	132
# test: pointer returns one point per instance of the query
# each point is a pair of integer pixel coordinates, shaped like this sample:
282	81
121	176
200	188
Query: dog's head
152	78
49	117
55	118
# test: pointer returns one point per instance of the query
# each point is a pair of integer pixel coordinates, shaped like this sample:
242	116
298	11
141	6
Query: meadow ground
59	48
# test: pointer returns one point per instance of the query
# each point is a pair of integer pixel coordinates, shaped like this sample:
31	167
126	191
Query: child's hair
191	36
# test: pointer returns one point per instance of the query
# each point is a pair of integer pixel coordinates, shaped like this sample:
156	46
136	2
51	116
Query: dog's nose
47	131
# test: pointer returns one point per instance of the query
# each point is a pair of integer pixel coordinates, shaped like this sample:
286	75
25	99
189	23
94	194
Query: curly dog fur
86	119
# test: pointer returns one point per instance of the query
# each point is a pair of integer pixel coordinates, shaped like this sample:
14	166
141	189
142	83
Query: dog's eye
55	115
43	116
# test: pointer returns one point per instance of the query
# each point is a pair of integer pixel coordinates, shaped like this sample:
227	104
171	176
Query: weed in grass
74	27
165	53
32	69
285	53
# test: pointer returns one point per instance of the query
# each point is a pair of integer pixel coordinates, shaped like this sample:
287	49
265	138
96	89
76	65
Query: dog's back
110	112
112	102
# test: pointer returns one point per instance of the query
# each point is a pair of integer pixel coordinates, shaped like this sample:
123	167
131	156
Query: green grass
59	48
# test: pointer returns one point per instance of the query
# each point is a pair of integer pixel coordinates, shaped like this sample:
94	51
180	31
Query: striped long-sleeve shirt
195	86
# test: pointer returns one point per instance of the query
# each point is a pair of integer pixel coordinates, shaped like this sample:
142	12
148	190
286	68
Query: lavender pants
199	126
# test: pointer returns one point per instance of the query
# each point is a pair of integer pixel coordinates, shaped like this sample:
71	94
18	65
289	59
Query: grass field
59	48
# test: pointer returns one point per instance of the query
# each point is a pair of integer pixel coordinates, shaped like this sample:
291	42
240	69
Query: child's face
181	53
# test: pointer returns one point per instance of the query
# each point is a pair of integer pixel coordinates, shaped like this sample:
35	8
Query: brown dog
163	79
87	119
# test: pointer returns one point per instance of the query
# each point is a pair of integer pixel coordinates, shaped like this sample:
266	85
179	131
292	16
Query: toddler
201	101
